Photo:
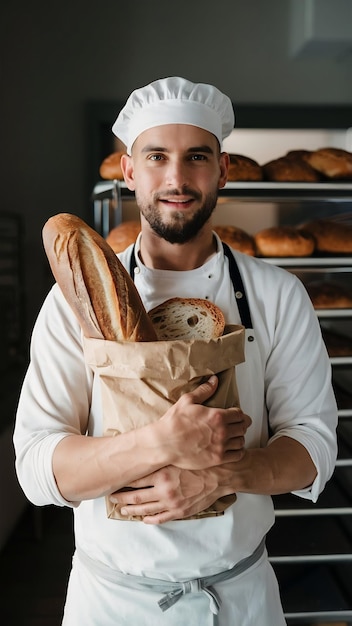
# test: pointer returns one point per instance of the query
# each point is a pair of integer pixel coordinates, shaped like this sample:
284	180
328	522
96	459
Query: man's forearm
282	467
91	467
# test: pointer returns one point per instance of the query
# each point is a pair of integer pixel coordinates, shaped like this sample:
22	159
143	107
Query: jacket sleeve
299	392
55	399
298	397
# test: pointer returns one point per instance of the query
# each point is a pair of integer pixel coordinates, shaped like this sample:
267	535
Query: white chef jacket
284	385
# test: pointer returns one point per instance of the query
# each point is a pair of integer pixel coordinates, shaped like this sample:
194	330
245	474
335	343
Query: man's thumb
205	390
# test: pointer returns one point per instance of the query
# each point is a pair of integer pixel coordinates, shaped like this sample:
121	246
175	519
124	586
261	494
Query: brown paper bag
141	380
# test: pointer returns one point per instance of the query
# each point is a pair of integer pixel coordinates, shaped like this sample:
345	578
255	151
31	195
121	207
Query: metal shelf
334	313
312	558
341	360
331	263
318	512
318	615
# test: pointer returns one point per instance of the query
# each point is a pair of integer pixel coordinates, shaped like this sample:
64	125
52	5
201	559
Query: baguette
94	282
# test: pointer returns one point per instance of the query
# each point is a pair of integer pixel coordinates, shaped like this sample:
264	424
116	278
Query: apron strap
133	263
173	590
236	279
238	287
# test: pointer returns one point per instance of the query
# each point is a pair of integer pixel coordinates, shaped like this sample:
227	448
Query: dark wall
57	57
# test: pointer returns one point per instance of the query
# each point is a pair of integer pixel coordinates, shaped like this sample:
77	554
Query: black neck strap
238	286
236	280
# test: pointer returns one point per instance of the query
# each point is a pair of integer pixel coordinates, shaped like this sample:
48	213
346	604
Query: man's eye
198	157
155	157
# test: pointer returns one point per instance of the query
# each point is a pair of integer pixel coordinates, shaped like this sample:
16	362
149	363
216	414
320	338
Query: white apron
250	597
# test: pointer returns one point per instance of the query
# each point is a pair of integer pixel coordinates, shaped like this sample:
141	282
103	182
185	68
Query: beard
181	228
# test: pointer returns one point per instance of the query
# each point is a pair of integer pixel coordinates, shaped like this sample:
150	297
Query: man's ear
127	170
224	168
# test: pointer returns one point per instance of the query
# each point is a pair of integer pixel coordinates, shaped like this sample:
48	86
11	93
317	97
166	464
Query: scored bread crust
94	282
186	319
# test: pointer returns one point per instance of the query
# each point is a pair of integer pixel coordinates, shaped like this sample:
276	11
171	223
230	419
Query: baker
168	569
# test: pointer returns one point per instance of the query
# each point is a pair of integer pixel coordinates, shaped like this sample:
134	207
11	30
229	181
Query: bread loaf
291	168
187	318
330	236
284	241
243	168
110	168
120	237
334	163
94	282
236	238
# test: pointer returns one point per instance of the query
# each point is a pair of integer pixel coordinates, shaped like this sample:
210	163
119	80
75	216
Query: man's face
176	171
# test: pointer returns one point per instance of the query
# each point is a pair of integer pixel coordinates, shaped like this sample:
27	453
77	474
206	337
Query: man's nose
177	173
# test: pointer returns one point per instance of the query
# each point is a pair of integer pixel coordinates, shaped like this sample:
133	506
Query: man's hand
190	436
197	437
172	493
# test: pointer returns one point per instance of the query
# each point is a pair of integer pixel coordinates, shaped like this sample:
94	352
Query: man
167	569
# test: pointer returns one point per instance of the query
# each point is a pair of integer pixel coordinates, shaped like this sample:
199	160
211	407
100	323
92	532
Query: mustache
184	190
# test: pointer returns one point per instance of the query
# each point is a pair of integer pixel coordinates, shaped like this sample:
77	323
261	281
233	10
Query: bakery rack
310	546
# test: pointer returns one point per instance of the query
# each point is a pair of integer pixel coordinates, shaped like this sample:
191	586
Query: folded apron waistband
174	590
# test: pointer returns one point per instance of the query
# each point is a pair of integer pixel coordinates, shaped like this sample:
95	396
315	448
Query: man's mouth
177	203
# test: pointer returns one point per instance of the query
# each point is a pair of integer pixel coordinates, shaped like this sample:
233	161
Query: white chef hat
174	100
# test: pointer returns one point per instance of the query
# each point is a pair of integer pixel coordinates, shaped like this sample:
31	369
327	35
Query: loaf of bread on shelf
236	238
326	294
292	167
123	235
283	241
187	318
243	168
333	163
94	282
110	168
330	236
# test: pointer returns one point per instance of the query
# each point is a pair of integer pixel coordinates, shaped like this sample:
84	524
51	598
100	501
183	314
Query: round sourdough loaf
187	318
